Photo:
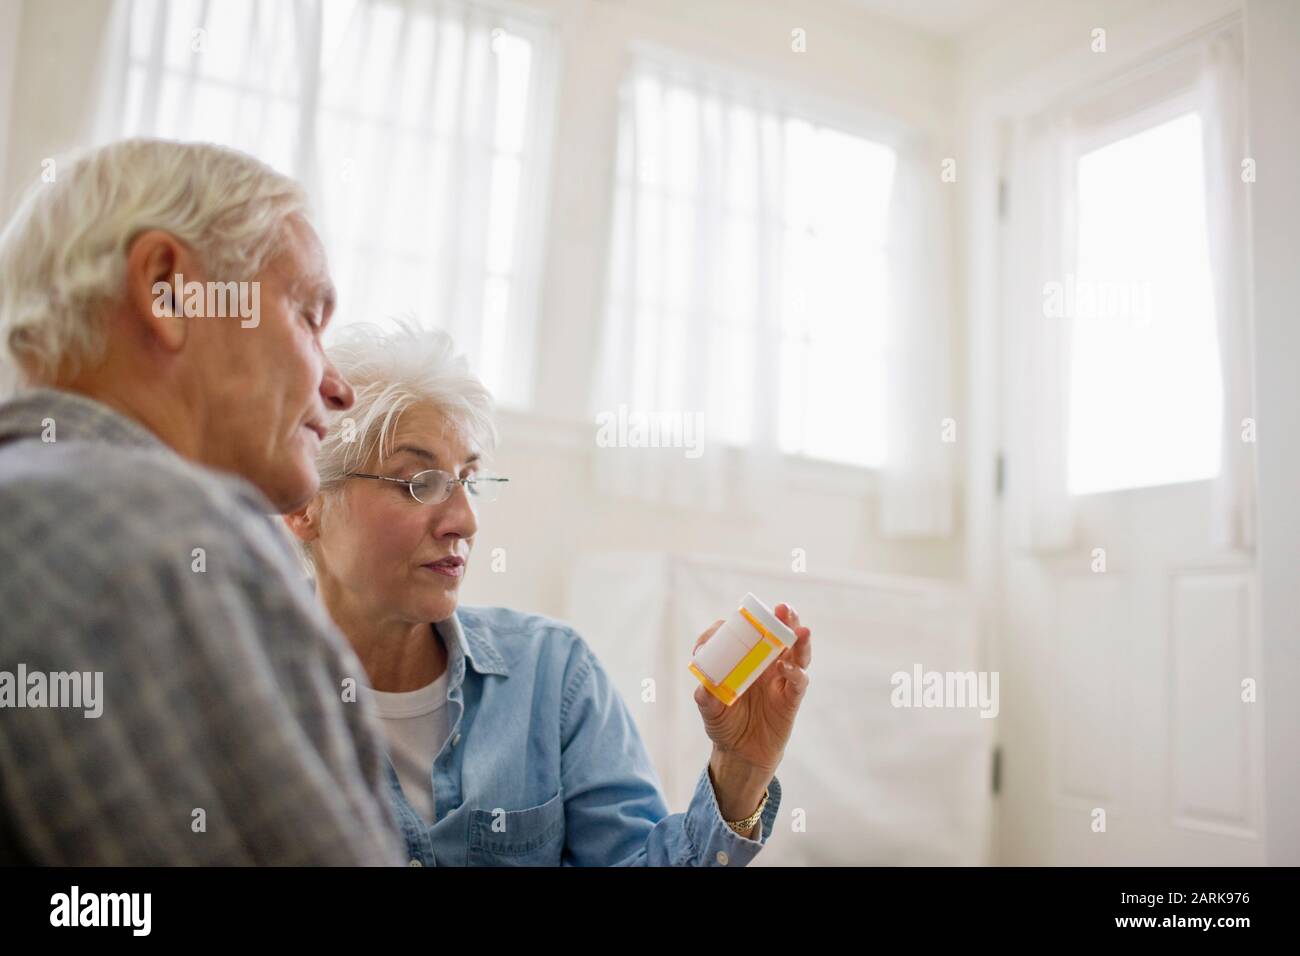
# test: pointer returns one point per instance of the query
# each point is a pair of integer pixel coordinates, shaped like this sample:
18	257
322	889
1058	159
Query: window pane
835	294
749	245
1145	387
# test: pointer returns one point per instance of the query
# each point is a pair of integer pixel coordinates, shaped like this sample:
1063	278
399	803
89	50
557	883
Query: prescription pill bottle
740	650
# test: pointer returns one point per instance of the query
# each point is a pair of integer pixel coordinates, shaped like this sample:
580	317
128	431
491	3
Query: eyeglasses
433	487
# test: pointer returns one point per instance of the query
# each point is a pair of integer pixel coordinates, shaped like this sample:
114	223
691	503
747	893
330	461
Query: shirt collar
471	640
73	416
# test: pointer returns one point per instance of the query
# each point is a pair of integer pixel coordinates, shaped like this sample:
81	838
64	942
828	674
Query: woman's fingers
801	653
790	615
796	681
710	706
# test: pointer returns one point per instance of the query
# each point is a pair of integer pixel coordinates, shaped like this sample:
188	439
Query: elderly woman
508	742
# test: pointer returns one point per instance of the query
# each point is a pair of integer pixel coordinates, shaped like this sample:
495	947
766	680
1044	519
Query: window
419	129
1145	378
832	355
748	273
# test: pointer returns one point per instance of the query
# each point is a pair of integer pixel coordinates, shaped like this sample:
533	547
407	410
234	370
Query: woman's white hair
393	367
63	254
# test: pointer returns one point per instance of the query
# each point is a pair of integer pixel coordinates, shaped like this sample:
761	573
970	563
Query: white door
1127	733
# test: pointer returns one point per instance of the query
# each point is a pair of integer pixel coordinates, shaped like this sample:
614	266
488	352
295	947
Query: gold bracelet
744	826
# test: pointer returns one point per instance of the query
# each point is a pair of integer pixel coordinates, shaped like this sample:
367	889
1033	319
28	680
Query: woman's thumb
710	706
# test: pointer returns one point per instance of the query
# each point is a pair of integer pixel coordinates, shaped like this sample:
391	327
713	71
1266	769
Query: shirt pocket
530	837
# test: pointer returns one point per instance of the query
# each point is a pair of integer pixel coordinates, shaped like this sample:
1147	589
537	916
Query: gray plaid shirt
224	737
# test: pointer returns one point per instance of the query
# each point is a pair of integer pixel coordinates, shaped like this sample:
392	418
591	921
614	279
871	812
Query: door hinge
997	770
1000	475
1002	199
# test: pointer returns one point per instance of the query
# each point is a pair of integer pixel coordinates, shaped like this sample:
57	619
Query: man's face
270	384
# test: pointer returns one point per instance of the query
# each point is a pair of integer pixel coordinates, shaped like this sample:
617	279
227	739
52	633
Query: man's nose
336	391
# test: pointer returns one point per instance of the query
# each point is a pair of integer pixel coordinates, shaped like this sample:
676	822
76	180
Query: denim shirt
543	764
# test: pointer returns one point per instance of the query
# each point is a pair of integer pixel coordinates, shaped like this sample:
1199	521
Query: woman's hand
749	737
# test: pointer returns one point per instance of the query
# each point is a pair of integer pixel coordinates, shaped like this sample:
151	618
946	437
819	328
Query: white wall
59	46
1273	81
11	17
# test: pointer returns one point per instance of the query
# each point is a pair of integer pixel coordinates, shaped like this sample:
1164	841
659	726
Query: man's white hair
63	254
394	367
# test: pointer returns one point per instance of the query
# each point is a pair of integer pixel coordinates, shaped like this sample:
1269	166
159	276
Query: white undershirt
415	722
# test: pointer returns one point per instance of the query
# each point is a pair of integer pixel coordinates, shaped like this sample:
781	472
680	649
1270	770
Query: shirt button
722	857
455	739
415	863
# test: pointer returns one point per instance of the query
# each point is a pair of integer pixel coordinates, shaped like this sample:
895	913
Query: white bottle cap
765	617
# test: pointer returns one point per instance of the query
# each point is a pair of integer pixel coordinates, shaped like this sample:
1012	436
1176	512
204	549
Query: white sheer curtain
1224	125
419	127
917	475
692	332
1039	247
747	289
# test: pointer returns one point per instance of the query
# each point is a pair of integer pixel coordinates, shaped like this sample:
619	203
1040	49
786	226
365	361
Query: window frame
787	101
1166	92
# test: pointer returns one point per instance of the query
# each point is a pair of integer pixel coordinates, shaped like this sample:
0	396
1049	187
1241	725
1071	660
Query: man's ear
153	261
305	522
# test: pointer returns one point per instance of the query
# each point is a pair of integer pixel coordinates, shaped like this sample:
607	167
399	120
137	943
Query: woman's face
379	549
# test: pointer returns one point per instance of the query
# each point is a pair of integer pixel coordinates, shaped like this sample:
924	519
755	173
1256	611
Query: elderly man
147	442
